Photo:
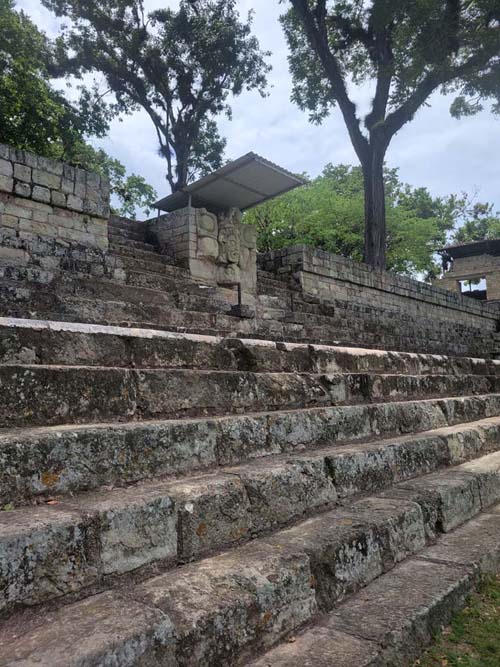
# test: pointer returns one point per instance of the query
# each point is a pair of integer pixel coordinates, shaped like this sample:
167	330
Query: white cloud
434	150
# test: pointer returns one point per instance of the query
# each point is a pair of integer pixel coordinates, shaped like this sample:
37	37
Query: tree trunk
375	234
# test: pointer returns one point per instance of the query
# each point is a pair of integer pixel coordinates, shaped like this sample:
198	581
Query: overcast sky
434	150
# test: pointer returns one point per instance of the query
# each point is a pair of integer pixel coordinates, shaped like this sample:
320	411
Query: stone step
271	280
391	621
150	262
48	305
148	256
118	242
126	227
172	282
55	460
61	343
126	234
171	522
40	303
279	290
19	300
148	289
225	609
34	395
138	288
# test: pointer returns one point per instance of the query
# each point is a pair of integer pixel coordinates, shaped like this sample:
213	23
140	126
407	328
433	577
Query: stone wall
405	314
49	209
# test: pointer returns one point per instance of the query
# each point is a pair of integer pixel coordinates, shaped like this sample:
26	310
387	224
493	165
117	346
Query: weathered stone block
69	172
15	207
6	183
46	179
34	562
102	630
235	604
135	528
90	207
348	549
67	186
5	168
41	194
279	493
80	183
75	203
322	647
58	198
14	255
22	189
403	612
52	166
22	172
213	511
9	220
476	544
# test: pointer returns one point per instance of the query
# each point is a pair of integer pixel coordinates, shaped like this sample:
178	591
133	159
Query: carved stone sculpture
229	237
207	233
248	250
217	250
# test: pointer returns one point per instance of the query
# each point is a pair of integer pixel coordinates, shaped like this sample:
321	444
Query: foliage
480	222
33	114
131	191
407	50
473	639
37	117
179	66
328	213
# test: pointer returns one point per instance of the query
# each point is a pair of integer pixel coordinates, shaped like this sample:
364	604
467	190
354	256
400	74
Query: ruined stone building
472	269
211	457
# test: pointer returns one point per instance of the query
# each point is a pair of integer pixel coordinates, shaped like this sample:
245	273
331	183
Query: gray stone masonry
43	199
402	313
63	257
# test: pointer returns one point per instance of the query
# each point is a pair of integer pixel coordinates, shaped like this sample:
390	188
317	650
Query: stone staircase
176	499
133	285
180	487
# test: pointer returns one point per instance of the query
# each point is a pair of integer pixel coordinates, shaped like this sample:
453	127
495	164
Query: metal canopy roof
243	183
484	247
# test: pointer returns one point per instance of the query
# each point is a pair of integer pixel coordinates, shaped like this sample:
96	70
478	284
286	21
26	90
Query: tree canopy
38	117
406	51
480	222
130	191
33	113
328	213
180	66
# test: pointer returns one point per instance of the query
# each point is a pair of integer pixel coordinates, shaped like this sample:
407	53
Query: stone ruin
473	270
216	249
182	486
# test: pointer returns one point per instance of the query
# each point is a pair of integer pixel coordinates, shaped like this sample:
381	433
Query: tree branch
452	23
385	73
318	40
395	121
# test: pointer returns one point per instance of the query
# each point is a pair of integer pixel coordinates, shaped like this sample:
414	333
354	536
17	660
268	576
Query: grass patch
473	639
